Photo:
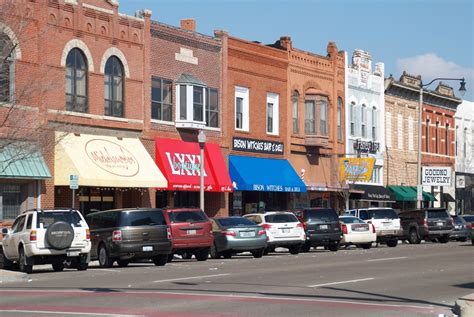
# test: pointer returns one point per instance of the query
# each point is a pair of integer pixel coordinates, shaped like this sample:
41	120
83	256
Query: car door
15	238
8	239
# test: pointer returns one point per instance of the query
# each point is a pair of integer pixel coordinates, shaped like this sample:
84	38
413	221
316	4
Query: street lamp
202	142
419	187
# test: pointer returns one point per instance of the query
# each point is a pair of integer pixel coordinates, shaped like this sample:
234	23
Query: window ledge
212	129
162	122
273	134
115	119
190	124
71	113
10	105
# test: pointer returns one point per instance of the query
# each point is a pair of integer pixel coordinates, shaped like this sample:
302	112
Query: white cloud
431	66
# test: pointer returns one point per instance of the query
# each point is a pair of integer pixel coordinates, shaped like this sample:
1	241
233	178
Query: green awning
22	160
408	193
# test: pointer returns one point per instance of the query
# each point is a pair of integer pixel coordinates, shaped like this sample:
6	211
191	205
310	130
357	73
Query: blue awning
263	174
22	160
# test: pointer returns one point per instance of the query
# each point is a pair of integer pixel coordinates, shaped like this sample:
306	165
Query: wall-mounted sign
259	146
356	169
436	176
366	146
460	181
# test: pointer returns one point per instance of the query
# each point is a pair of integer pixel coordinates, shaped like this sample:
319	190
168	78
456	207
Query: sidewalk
464	306
12	276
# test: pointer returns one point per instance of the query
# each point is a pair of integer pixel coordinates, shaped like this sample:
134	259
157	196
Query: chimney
188	24
444	89
332	49
285	42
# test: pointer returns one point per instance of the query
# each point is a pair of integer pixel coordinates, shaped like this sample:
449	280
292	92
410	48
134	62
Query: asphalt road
409	280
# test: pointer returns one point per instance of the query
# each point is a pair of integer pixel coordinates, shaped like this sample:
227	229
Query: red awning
180	163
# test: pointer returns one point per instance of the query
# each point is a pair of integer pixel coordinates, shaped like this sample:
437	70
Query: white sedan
357	232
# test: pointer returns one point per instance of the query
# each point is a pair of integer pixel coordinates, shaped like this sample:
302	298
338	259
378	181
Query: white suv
283	230
385	221
47	237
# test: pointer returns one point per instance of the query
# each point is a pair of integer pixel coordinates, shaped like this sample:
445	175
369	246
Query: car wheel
392	243
170	257
367	246
5	263
160	260
413	237
202	255
463	239
104	258
213	252
443	239
123	263
227	254
258	253
82	266
333	247
58	267
25	268
472	241
295	249
186	256
306	247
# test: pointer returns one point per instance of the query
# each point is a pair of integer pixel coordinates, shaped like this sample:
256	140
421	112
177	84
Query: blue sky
434	38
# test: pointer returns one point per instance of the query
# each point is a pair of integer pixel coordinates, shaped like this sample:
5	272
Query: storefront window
11	200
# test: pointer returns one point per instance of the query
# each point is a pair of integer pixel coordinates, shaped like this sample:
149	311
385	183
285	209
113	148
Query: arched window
76	81
6	68
374	123
113	87
352	116
363	116
339	119
295	99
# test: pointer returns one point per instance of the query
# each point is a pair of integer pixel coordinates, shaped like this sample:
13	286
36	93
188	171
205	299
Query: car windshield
437	213
469	218
142	218
321	214
47	218
187	216
349	220
383	213
281	218
458	220
235	222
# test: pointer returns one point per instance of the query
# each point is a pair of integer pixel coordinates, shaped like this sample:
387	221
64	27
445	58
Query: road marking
49	312
190	278
387	259
343	282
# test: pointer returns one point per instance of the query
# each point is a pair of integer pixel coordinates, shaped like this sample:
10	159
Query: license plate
191	232
285	230
360	229
147	248
386	224
73	253
440	223
247	234
323	226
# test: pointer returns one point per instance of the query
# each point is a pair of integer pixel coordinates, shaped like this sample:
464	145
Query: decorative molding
83	47
186	55
93	7
113	51
126	16
70	2
12	36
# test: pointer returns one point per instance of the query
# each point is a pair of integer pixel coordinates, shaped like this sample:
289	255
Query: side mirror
5	231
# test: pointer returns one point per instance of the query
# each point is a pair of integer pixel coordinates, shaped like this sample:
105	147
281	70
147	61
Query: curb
10	276
464	306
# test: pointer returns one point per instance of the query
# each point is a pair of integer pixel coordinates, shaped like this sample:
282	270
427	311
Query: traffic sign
73	181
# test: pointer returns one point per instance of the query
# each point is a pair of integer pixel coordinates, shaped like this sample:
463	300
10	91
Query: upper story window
114	87
212	108
316	105
411	134
161	99
339	119
191	100
363	115
446	140
352	119
272	113
437	138
374	123
427	136
295	99
76	81
242	108
6	68
400	131
388	129
464	142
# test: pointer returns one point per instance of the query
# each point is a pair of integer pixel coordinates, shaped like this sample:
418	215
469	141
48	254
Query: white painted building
365	133
464	119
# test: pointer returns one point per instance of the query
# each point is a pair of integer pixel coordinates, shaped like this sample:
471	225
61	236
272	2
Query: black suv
426	224
322	228
126	235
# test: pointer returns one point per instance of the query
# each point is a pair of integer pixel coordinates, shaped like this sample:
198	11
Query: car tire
25	268
58	267
472	241
306	247
213	252
413	237
202	255
170	257
5	263
258	253
104	258
463	239
295	249
124	263
60	235
366	246
227	254
333	247
392	243
160	260
82	266
443	239
187	256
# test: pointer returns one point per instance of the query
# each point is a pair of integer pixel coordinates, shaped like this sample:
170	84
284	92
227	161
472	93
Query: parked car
191	232
283	229
426	224
127	235
469	219
237	234
322	228
46	237
385	220
357	232
461	229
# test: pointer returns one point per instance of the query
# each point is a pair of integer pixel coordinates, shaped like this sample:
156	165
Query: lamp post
419	187
202	142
